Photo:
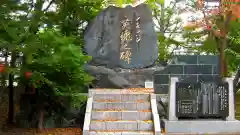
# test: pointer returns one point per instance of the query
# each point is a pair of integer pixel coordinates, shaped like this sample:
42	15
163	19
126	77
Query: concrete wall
191	68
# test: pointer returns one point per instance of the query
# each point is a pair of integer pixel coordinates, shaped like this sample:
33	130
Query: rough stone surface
103	41
102	37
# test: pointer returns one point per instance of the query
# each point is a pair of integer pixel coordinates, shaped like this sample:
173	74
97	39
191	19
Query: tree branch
168	21
49	5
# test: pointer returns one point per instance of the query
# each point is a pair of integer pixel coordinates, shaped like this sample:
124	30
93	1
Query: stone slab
106	115
127	125
121	125
130	106
122	97
145	126
137	133
95	125
105	133
123	115
121	133
202	126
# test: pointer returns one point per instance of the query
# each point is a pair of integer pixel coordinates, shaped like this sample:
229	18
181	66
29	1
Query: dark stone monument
122	37
123	46
202	100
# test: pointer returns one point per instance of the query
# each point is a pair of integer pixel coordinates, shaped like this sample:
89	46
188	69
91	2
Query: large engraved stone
122	37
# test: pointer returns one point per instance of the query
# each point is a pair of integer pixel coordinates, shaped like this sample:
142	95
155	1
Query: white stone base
202	126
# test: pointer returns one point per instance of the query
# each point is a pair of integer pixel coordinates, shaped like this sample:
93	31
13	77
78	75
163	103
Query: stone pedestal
202	126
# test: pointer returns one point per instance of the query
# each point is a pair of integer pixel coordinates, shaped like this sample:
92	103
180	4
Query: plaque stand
200	126
231	104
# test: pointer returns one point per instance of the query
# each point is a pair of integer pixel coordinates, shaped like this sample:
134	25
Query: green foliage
233	50
209	45
56	62
168	27
46	38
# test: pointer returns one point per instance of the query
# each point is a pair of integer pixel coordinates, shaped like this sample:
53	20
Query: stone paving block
144	106
147	126
128	125
110	125
143	97
184	59
114	96
208	78
208	59
129	97
171	69
95	125
130	115
107	97
216	69
161	79
134	97
114	105
130	106
205	69
191	69
99	105
130	133
99	97
144	115
148	134
137	133
105	133
161	89
102	115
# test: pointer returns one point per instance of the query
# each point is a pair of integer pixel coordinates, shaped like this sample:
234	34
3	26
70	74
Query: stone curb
87	119
155	115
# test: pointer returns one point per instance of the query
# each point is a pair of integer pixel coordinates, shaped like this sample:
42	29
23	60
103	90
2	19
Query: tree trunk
223	63
11	104
40	123
11	90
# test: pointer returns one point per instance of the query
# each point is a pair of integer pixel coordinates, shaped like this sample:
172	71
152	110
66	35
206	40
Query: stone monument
123	45
203	124
122	37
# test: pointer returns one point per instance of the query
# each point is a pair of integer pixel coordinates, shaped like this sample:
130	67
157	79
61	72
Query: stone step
121	125
122	115
131	106
129	90
120	97
120	133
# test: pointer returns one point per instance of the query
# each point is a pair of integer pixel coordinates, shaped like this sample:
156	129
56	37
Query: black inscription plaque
203	100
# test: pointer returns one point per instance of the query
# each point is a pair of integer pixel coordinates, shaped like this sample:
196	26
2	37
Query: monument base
202	126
